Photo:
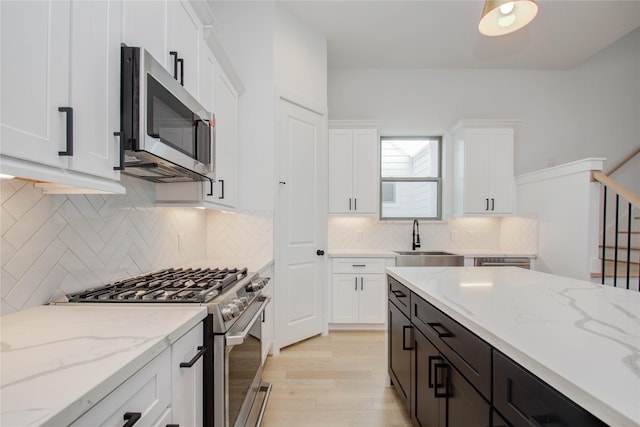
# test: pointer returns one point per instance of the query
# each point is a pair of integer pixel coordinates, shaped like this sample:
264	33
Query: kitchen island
580	338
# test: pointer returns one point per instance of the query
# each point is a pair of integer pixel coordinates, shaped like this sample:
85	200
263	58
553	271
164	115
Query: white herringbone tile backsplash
56	244
509	234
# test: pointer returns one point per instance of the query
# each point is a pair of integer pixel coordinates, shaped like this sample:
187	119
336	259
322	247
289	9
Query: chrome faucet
416	235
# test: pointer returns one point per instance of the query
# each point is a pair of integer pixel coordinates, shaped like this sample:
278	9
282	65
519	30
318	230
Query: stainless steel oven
238	370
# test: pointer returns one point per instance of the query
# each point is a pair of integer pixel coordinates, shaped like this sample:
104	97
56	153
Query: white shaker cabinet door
344	302
340	171
95	87
35	80
365	170
187	390
372	298
183	37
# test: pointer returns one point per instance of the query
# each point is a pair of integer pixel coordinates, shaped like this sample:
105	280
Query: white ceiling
444	34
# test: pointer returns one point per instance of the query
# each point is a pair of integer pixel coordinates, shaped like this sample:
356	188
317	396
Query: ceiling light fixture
501	17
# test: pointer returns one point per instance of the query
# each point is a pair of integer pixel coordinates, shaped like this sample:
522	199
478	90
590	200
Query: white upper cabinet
184	37
60	94
484	180
225	190
145	25
353	171
35	80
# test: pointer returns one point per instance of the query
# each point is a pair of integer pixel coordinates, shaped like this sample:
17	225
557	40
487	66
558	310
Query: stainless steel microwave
165	134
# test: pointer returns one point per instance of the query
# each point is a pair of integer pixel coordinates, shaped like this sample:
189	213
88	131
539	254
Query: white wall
566	203
590	111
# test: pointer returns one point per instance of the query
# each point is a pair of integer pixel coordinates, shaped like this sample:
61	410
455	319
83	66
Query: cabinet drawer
467	352
147	393
400	296
358	265
525	400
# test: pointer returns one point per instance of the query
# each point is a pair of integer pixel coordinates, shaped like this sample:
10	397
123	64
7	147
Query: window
410	177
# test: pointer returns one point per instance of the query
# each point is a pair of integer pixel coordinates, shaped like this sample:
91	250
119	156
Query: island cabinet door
524	400
427	408
400	346
465	406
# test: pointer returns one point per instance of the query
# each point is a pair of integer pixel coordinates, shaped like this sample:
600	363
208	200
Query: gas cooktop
198	285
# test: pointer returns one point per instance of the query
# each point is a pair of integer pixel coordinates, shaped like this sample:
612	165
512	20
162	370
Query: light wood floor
336	381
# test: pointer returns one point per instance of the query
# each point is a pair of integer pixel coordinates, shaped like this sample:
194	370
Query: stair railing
632	200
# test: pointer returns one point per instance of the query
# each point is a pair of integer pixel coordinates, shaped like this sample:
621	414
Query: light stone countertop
581	338
59	360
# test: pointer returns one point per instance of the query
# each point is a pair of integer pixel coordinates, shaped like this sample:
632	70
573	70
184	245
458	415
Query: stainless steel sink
428	259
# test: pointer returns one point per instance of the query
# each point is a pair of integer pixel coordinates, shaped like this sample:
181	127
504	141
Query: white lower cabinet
358	290
145	396
162	392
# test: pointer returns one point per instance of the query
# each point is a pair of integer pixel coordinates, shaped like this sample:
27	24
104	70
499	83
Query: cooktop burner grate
169	285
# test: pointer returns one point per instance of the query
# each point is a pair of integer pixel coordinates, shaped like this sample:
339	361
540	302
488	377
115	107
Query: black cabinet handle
358	265
355	204
493	204
399	294
430	376
69	113
487	205
349	203
195	358
210	193
319	252
356	279
175	63
543	420
441	334
404	337
362	283
172	425
221	196
436	384
181	61
131	418
120	166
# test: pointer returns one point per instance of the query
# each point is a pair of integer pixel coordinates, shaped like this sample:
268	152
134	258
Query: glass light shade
501	17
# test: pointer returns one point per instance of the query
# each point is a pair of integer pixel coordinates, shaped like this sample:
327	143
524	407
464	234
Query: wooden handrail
625	160
616	188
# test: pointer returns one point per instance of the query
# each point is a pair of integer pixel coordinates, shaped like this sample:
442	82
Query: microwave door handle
237	339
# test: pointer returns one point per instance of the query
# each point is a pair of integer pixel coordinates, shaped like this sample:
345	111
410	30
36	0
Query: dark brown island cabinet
449	377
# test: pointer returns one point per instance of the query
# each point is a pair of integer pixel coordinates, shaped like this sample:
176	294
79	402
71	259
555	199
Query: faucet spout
415	243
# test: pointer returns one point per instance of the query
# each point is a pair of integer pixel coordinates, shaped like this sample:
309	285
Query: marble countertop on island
59	360
581	338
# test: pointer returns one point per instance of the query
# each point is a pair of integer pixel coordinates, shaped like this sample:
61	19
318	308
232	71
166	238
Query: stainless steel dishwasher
522	262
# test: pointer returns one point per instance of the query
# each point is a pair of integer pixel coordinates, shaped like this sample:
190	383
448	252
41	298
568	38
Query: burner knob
242	302
230	311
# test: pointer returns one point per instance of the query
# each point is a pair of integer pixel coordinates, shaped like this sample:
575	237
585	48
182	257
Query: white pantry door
301	223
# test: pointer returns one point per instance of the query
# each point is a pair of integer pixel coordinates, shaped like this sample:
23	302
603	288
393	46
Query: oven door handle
237	339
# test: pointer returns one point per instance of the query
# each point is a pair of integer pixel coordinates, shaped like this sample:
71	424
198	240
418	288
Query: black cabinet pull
210	193
181	61
172	425
195	358
349	203
355	204
441	334
430	376
175	63
436	384
69	112
221	196
404	337
120	166
356	279
487	205
399	294
362	283
131	418
358	265
493	204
